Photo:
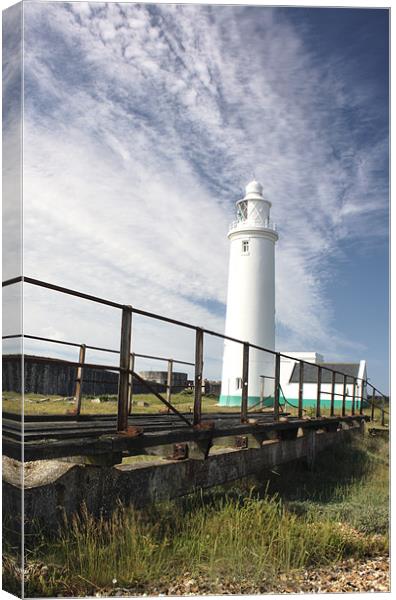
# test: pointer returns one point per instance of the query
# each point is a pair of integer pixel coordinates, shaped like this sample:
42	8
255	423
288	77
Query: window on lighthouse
242	211
245	246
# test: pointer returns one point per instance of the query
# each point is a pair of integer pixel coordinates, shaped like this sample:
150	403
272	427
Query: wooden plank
50	448
149	423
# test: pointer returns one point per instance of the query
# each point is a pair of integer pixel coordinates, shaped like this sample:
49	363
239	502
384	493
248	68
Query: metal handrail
75	293
98	348
126	332
266	223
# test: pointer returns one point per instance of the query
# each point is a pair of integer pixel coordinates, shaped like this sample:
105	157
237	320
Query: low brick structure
54	488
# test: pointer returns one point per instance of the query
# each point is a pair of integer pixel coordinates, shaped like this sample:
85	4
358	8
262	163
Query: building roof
311	372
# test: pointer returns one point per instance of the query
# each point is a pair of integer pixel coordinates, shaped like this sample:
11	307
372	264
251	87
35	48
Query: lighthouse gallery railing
127	373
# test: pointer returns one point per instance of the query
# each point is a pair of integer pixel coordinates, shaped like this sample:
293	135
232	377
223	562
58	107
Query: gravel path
349	576
370	575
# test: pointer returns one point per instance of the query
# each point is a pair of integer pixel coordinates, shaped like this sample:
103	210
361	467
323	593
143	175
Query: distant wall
59	379
179	379
213	387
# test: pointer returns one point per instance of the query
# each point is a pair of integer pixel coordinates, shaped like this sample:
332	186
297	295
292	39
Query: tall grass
253	540
292	518
34	405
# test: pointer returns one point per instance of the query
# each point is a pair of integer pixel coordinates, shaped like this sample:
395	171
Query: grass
56	405
325	412
252	531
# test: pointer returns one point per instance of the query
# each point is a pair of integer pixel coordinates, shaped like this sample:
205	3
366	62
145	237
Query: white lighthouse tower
250	299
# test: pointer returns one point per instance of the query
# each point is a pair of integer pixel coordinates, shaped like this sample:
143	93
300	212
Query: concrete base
53	489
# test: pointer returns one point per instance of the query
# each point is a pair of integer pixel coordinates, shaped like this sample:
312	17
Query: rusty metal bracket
180	452
204	425
131	431
241	441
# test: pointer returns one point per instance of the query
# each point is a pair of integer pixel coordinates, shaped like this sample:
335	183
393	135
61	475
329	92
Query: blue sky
143	124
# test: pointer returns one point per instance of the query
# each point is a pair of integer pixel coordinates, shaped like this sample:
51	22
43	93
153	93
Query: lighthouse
250	299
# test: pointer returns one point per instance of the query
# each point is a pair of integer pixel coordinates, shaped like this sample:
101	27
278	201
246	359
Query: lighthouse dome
254	189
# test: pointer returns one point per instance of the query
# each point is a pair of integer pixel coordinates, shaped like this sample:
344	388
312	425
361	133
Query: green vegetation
252	531
325	412
56	405
183	401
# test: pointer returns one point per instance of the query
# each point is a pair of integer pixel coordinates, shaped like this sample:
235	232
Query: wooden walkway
96	436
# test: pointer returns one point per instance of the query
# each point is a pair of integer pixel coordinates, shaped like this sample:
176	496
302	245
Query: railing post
353	396
372	404
198	376
79	379
245	383
276	390
344	394
261	391
169	380
333	381
383	412
125	353
319	385
301	390
361	396
130	382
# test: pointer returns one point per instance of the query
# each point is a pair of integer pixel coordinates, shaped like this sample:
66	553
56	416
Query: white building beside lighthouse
250	298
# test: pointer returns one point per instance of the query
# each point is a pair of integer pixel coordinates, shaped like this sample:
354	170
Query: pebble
351	575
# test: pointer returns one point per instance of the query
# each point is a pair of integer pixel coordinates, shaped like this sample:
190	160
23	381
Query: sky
142	126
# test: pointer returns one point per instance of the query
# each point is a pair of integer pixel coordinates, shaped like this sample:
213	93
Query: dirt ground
371	575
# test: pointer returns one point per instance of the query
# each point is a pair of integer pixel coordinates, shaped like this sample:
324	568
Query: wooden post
245	383
372	405
262	391
198	376
353	396
79	379
333	381
130	380
319	385
344	394
276	389
169	381
383	412
361	396
301	390
123	383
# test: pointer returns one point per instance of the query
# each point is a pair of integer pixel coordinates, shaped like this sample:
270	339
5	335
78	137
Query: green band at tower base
268	402
225	400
